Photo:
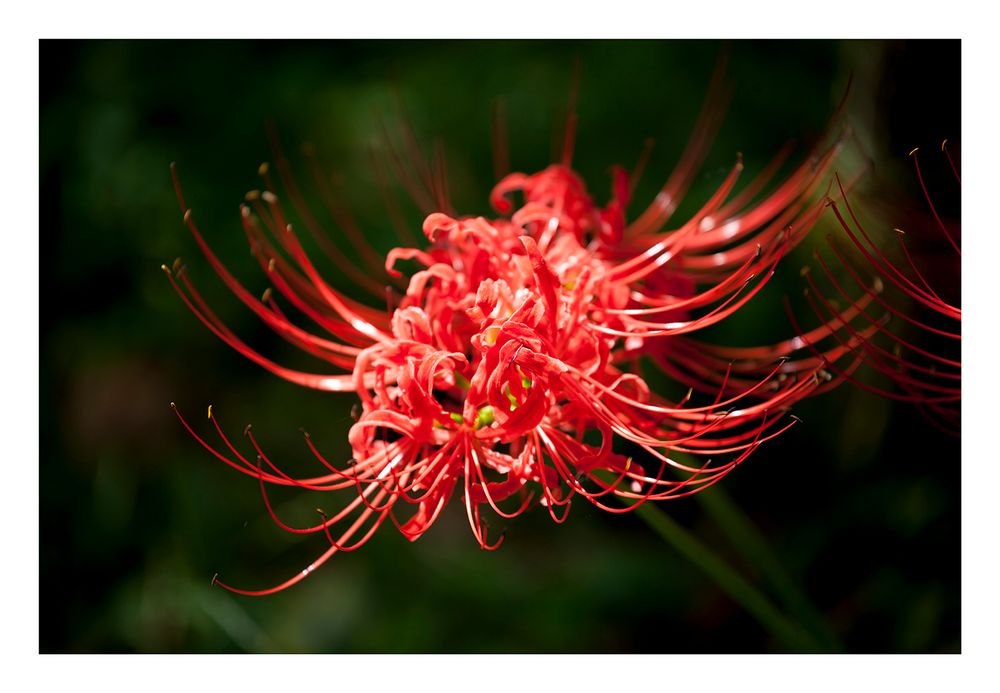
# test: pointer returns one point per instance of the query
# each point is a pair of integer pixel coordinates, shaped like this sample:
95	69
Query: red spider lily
507	369
921	331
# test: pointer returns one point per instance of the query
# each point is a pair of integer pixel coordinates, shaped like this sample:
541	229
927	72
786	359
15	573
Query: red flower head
506	374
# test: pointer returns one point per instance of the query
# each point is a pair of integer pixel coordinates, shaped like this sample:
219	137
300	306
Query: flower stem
751	544
729	581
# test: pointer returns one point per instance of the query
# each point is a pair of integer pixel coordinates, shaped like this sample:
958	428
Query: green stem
751	544
728	580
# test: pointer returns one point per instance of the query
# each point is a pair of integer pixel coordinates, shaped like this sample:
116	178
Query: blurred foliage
860	503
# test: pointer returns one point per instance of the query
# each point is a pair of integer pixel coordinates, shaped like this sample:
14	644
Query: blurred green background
860	503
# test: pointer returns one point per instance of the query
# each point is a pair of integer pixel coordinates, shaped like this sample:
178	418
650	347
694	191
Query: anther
943	143
187	215
252	195
165	268
877	285
262	169
210	411
173	405
269	197
913	151
215	579
899	231
246	431
266	295
270	265
806	269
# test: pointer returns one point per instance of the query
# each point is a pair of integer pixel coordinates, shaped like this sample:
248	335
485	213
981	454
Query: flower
507	372
920	331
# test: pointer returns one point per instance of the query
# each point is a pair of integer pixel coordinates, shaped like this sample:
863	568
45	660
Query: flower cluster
507	376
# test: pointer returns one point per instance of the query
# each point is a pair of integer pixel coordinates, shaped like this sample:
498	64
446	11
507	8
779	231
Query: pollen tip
246	431
913	151
187	215
173	405
165	268
321	512
262	169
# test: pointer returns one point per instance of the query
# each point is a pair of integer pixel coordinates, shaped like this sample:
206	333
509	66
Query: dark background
860	503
